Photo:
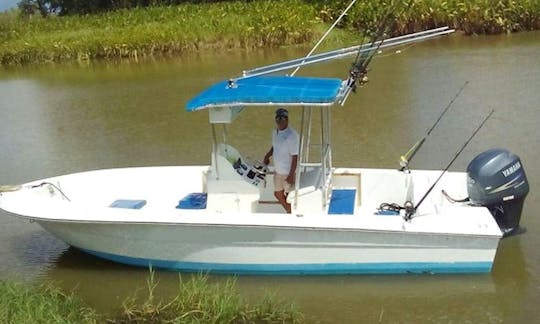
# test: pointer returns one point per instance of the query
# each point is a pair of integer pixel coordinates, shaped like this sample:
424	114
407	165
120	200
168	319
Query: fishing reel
409	209
357	76
404	164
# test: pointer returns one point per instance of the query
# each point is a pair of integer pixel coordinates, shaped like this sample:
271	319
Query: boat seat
194	200
128	203
342	202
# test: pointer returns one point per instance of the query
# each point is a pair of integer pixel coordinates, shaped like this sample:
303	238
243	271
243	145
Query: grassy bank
220	26
142	32
468	16
196	301
43	304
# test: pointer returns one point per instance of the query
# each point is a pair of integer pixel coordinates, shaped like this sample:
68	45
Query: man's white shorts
280	183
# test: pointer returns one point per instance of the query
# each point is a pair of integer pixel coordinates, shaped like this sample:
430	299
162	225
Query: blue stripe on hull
303	269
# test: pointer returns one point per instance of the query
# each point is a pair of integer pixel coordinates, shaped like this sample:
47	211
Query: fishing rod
362	59
358	71
409	208
407	157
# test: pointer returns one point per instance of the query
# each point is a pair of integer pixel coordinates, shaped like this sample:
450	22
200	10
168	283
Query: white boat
224	218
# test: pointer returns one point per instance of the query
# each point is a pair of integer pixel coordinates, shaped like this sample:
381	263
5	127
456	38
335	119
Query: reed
227	25
43	304
469	16
196	300
199	301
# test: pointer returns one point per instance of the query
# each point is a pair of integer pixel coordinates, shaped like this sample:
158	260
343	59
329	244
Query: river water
63	119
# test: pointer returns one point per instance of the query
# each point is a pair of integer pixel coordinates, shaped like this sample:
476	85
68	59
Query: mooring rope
54	186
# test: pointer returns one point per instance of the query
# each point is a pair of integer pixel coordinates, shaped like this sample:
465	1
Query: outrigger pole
326	34
326	151
344	53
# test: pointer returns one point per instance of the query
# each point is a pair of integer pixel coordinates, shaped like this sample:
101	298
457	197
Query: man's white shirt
285	144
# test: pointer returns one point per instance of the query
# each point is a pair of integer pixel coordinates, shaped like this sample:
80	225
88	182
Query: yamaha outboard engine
496	180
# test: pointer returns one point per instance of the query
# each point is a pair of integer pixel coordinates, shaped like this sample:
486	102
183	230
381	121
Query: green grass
149	31
469	16
43	304
232	25
196	300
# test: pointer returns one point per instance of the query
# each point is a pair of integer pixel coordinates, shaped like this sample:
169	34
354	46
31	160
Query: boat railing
321	166
345	52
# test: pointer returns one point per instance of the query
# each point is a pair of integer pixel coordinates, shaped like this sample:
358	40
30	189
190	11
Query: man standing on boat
284	152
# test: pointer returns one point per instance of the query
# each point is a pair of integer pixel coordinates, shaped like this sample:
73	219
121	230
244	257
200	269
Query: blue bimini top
269	90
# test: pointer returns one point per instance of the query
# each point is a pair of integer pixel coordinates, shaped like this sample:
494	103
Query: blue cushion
342	201
196	200
130	204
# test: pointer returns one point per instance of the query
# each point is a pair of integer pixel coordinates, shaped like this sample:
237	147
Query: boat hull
243	233
266	250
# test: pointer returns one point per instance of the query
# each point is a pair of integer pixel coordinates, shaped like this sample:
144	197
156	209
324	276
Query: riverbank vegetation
196	301
199	301
468	16
190	27
140	32
42	304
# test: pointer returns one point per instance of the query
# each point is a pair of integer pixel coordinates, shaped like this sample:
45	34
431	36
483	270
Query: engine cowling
496	179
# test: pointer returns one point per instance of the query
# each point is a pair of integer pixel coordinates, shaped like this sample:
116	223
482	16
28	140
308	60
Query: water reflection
27	251
512	278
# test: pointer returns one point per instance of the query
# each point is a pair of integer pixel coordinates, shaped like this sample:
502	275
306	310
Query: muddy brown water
69	118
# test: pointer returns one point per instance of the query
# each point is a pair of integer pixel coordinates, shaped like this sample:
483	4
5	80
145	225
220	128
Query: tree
67	7
81	7
30	7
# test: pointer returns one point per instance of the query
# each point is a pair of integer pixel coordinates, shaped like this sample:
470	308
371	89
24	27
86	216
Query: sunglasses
280	118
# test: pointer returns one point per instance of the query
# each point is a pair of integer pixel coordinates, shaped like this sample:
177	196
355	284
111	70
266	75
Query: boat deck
161	188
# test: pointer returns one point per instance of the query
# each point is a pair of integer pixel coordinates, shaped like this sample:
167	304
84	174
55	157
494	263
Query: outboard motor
496	180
